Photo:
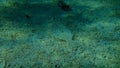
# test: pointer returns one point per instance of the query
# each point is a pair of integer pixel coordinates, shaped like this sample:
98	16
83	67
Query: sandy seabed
39	34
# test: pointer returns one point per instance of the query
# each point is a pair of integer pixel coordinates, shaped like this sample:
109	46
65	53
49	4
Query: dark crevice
64	6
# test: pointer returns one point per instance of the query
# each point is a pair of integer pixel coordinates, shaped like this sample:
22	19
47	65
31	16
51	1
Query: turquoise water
59	34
